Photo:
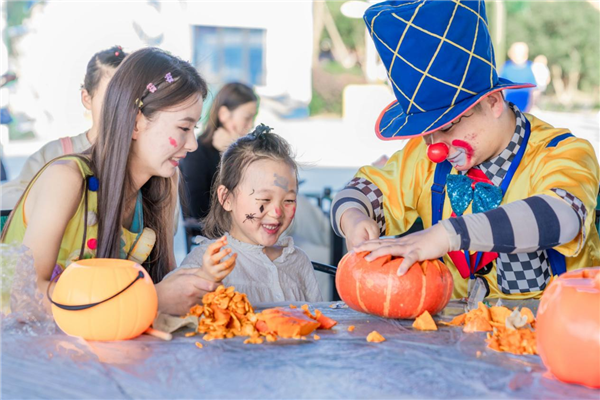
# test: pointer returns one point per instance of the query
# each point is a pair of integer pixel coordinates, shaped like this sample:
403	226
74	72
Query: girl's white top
290	277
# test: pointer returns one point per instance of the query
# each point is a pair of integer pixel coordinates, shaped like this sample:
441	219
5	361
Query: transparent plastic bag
23	306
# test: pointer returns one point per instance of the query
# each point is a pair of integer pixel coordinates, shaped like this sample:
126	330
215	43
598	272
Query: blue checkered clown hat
439	59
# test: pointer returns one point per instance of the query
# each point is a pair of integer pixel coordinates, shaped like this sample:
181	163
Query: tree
567	34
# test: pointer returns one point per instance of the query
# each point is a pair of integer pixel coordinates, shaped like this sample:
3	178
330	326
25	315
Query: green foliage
351	30
566	32
16	12
334	68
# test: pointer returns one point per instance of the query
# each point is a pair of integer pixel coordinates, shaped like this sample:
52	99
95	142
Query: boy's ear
224	197
86	99
496	103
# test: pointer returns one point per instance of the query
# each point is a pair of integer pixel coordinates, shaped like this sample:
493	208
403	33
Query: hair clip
169	78
116	54
261	131
139	103
151	88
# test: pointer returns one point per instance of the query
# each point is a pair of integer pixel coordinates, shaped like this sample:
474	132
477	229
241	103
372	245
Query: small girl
99	71
253	203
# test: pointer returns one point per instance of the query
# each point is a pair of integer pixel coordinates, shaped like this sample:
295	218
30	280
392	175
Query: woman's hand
212	268
222	138
181	290
428	244
357	227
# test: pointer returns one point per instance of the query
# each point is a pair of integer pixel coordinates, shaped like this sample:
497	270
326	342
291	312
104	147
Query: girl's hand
212	268
357	227
428	244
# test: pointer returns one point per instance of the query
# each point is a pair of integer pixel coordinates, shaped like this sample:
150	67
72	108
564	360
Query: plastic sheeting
39	361
442	364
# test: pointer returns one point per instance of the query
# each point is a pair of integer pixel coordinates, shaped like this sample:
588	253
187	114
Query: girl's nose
277	211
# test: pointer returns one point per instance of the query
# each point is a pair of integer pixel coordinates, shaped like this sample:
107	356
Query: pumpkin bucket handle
86	306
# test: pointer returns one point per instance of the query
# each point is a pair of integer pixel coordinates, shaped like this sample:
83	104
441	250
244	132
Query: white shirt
290	277
12	190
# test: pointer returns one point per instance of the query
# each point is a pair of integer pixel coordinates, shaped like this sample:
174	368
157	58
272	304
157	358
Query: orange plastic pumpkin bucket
568	327
104	299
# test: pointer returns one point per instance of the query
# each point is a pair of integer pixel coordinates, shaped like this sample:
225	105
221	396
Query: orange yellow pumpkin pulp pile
511	331
226	313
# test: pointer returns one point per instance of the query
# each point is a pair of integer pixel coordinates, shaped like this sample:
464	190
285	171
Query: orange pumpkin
568	327
286	323
86	282
375	288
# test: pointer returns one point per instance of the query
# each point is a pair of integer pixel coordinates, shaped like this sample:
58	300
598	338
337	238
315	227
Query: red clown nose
437	152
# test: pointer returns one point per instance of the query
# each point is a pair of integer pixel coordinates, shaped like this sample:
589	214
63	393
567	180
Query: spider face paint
250	217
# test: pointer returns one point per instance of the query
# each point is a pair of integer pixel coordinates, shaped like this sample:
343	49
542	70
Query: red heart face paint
172	141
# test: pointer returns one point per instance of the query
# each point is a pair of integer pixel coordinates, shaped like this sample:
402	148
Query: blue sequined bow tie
463	190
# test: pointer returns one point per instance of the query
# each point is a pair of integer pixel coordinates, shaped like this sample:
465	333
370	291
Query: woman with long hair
231	117
118	200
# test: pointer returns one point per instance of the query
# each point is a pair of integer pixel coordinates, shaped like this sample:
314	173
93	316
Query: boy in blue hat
507	199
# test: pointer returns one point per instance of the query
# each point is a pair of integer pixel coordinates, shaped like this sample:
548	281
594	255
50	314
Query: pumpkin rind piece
477	324
425	322
288	323
375	337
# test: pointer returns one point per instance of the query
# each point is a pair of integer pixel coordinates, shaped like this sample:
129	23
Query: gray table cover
40	363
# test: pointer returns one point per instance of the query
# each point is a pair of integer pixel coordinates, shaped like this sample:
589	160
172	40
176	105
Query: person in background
100	69
542	76
518	69
231	116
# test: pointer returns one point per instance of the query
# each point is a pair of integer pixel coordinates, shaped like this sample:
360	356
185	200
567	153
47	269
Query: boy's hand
212	268
428	244
358	227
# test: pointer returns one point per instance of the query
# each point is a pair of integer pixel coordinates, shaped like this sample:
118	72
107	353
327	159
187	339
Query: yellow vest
406	180
133	247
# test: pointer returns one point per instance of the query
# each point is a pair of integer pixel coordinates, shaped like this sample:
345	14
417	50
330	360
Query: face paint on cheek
250	217
464	145
262	209
172	142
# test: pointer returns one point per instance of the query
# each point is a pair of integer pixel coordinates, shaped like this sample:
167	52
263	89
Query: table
410	364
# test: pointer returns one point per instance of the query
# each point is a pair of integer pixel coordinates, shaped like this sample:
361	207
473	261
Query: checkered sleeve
579	208
363	195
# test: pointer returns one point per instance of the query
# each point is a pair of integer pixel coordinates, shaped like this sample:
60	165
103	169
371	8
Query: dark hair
231	96
97	67
261	144
110	153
